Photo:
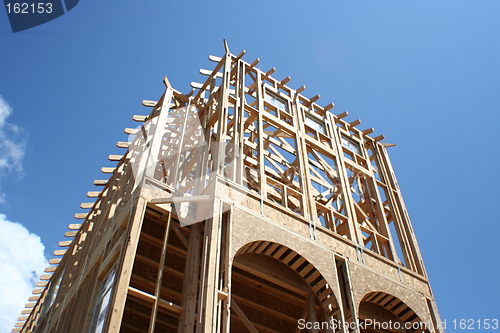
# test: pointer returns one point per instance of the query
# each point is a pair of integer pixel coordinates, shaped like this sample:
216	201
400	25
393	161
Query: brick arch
311	275
395	306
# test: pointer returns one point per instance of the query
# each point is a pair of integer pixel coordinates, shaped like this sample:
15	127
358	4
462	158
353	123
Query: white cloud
22	259
5	111
21	263
12	145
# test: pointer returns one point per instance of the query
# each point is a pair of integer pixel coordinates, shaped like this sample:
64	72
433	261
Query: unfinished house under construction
241	206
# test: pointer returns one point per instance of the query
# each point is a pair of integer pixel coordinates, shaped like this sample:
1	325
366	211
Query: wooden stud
115	157
190	283
329	106
207	72
255	62
271	71
285	80
86	205
139	118
355	123
70	233
127	260
107	170
342	115
368	131
214	58
149	103
122	144
100	182
314	98
131	131
248	324
197	85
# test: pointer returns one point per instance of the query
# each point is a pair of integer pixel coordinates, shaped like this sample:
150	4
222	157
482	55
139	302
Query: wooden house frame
296	216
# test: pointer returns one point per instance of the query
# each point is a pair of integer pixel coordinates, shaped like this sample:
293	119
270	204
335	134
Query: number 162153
29	8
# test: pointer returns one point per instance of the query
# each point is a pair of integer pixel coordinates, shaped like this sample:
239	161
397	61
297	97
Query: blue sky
424	73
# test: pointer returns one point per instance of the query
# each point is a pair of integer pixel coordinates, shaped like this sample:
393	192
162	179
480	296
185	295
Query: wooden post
159	278
225	288
354	231
308	202
127	262
147	167
191	280
207	312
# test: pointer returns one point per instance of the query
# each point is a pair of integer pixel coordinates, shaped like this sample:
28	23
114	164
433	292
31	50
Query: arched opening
274	289
382	312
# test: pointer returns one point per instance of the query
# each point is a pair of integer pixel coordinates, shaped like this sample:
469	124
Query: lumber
107	169
285	80
249	325
342	115
314	98
368	131
131	131
139	118
355	123
122	144
241	54
214	58
149	103
329	106
255	62
196	85
207	72
308	177
115	157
